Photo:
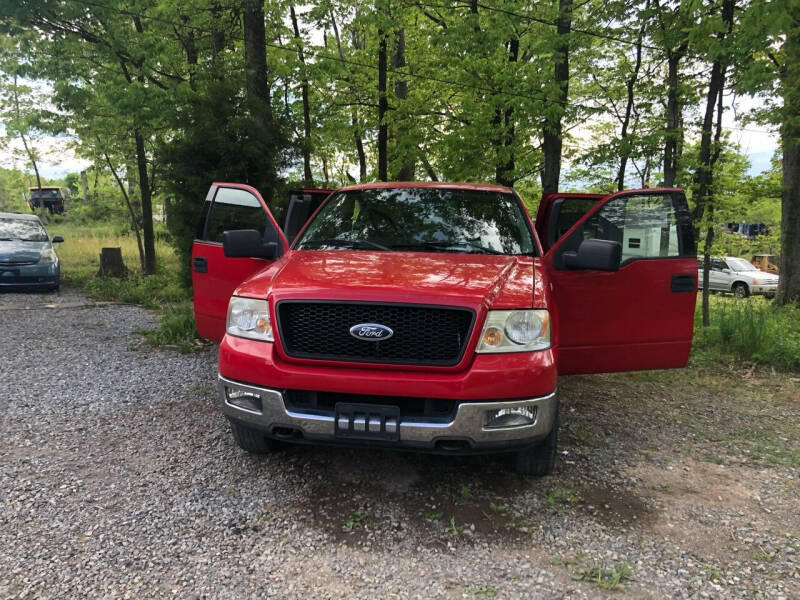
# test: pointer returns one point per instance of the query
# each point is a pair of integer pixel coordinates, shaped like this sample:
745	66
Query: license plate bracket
367	421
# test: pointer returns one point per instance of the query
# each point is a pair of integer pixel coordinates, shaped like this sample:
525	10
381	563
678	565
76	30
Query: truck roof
483	187
44	187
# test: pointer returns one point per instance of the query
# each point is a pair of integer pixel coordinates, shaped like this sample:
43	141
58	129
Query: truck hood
18	251
495	281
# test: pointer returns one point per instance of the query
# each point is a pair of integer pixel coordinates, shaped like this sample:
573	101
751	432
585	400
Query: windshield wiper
450	244
343	242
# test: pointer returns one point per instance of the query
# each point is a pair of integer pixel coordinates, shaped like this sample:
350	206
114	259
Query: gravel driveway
119	479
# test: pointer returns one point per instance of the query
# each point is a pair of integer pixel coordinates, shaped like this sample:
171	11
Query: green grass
752	329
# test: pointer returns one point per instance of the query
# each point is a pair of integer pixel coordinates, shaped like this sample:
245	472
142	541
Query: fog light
242	399
510	417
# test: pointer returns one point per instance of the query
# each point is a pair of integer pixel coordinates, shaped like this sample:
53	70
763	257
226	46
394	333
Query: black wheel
252	440
539	460
740	290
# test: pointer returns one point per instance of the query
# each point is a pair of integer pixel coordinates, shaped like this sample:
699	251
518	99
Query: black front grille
423	335
434	410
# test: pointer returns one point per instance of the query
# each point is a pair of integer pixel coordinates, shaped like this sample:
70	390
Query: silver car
736	275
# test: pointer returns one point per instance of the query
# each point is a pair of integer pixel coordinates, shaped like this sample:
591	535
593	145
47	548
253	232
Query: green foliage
176	329
224	144
752	329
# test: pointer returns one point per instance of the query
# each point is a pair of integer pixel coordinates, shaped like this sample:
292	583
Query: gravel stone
120	479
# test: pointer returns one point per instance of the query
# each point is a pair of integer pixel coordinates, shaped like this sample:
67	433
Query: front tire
252	440
539	460
740	290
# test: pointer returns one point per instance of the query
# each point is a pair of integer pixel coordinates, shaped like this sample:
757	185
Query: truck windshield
26	230
420	219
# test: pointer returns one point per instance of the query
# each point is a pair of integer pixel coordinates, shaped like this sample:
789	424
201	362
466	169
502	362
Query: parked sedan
27	256
738	276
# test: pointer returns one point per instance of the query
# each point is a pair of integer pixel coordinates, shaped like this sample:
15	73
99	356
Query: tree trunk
147	206
29	152
709	241
552	130
307	176
673	134
789	285
362	157
255	62
505	132
629	87
84	187
111	263
402	147
131	211
383	107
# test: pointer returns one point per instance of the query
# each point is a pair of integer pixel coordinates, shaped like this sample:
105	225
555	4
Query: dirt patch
616	507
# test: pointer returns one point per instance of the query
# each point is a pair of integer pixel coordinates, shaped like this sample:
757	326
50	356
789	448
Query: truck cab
48	195
435	316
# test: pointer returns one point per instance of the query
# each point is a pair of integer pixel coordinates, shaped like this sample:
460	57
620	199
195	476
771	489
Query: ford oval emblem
371	332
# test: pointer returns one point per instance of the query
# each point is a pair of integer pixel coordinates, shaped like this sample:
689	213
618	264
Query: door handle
199	264
682	283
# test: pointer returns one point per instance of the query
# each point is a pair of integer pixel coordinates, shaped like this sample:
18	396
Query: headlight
515	331
48	256
249	318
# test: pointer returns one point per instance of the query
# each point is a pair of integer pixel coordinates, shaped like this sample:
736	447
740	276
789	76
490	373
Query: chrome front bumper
466	431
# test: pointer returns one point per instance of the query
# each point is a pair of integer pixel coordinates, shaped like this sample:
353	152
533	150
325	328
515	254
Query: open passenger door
228	207
624	280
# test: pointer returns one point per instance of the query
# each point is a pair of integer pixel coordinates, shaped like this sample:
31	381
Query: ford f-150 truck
435	316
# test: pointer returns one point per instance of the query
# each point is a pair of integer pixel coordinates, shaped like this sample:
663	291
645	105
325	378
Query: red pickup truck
435	316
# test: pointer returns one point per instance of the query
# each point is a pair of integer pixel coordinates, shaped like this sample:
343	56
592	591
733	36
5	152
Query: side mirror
600	255
57	239
726	271
247	243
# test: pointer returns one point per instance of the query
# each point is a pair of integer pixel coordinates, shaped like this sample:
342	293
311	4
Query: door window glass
644	225
718	264
234	208
571	210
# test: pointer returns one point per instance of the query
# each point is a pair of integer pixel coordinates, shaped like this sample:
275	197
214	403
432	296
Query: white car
736	275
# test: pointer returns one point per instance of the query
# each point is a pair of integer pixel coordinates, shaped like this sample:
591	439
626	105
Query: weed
452	527
434	516
610	579
176	330
664	487
560	498
482	591
500	508
359	520
464	495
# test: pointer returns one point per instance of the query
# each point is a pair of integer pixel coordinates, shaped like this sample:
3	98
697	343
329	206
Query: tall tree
552	131
306	146
702	187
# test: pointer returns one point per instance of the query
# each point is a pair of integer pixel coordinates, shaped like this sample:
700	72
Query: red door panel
641	316
626	320
214	288
214	276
